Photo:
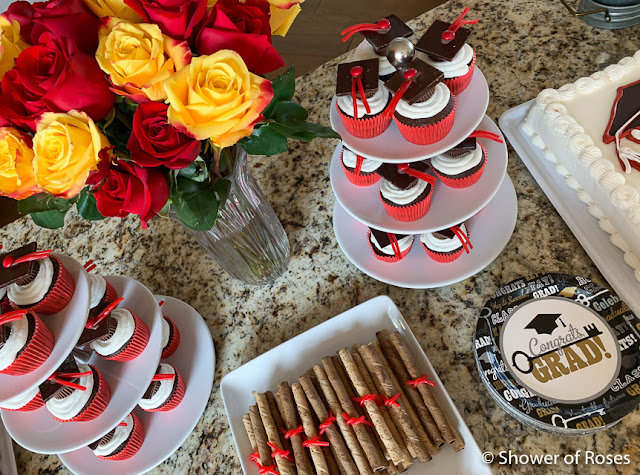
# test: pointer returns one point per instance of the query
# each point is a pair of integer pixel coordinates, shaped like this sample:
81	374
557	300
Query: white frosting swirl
124	331
15	342
71	405
120	436
35	290
350	159
366	51
624	197
432	106
21	400
403	244
97	288
166	333
456	165
442	245
402	197
377	102
458	66
163	392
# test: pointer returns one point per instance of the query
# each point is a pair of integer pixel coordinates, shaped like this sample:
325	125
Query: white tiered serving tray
39	432
391	147
449	206
294	357
165	432
66	326
489	232
7	459
596	242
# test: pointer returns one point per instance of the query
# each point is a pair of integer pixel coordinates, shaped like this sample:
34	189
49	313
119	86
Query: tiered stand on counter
165	432
489	207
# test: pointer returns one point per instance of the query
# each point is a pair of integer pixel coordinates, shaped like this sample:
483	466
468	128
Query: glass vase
248	240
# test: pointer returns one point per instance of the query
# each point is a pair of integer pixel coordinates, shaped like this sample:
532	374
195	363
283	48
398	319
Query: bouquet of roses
125	106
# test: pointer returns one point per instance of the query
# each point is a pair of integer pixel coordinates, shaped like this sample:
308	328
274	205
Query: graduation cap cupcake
423	108
359	170
165	391
362	98
121	443
389	247
406	190
35	280
445	47
25	342
377	37
462	166
447	245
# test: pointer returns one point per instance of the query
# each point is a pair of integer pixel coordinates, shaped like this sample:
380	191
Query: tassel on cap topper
468	145
20	265
443	40
456	232
50	388
403	176
358	79
385	239
379	34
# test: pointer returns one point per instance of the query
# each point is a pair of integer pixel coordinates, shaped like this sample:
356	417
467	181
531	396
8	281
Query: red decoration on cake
270	470
464	239
420	380
382	26
405	168
10	261
450	33
485	134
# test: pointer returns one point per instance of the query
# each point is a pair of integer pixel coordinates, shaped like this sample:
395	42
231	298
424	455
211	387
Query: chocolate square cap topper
432	44
391	173
368	73
426	78
381	39
16	273
383	237
464	147
50	388
445	233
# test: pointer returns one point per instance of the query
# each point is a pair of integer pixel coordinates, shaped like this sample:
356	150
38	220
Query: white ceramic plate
7	459
66	327
39	432
449	206
596	242
292	358
490	231
165	431
390	146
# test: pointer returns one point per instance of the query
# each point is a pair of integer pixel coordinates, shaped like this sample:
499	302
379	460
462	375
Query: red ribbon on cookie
293	432
271	470
392	401
367	397
95	321
315	442
10	261
276	452
450	33
420	380
354	421
381	26
326	424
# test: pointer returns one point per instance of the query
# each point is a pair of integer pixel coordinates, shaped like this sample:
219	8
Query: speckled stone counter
522	47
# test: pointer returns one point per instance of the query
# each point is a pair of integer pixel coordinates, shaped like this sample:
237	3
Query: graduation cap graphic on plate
545	323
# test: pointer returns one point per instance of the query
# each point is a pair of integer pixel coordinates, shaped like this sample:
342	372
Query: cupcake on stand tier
441	160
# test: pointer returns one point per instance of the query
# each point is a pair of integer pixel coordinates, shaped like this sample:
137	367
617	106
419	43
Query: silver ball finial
400	52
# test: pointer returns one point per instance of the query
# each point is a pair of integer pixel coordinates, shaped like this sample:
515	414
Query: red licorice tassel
382	26
163	377
276	452
315	442
409	75
326	424
56	379
420	380
359	162
365	398
450	33
271	470
394	244
12	316
392	401
93	322
293	432
356	84
485	134
354	421
464	239
10	261
405	168
122	424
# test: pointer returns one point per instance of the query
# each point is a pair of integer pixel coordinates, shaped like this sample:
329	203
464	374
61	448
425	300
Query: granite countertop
523	46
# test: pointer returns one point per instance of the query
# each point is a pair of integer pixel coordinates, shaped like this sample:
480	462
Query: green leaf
222	188
195	204
284	86
265	141
44	202
87	206
289	112
53	219
306	131
196	171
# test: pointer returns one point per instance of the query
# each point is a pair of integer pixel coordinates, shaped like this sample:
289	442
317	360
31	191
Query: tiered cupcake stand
39	432
489	207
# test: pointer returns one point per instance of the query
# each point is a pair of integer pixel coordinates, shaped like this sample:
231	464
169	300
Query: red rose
178	19
50	77
244	28
65	19
126	188
154	142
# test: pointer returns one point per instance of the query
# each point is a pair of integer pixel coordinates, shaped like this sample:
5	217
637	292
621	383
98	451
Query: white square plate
292	358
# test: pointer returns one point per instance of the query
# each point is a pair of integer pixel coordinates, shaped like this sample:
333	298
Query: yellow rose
115	8
17	180
283	12
217	97
66	148
138	58
11	45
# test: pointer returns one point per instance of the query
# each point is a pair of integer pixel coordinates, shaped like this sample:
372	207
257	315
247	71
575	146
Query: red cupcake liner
360	180
35	403
365	127
57	297
136	344
97	404
409	213
173	401
35	352
174	339
136	438
442	257
428	134
465	182
393	258
458	84
110	294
